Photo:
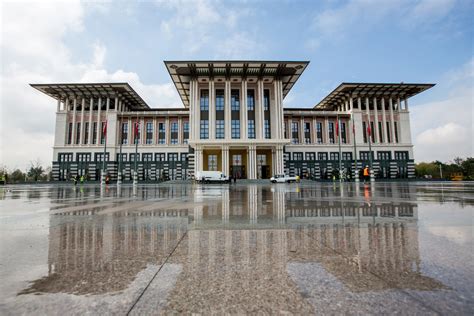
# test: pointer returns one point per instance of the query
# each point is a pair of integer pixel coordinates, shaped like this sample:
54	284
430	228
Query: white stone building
232	120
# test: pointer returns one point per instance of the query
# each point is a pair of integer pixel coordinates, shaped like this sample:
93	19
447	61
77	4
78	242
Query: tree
36	170
17	176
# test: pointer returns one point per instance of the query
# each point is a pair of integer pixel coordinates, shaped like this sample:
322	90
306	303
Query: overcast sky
429	41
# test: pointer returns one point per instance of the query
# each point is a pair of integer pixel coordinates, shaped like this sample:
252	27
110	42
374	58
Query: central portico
236	113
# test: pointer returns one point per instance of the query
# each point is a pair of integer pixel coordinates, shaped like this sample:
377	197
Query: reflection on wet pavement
182	248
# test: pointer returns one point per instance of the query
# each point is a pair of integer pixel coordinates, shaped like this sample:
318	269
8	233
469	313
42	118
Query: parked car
282	178
211	176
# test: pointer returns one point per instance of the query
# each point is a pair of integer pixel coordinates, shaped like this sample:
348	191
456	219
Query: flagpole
356	172
104	131
370	145
340	152
119	176
136	147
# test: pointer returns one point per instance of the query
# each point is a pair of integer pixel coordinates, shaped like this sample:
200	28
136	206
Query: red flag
137	126
368	129
337	128
104	129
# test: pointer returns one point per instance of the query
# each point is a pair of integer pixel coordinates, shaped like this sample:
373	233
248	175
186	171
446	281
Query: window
173	157
160	157
401	155
204	129
137	138
147	157
235	129
364	128
86	133
364	155
235	100
174	133
83	157
331	133
267	129
102	135
334	156
99	157
307	133
124	133
132	157
297	156
384	155
65	157
294	132
319	132
251	128
285	130
186	132
124	157
161	133
266	100
219	100
372	132
236	160
250	100
347	156
396	131
343	133
212	162
78	133
220	129
322	156
204	100
94	133
380	132
310	156
69	134
149	133
389	136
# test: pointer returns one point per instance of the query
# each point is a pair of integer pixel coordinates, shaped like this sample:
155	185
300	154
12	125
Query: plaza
178	247
232	120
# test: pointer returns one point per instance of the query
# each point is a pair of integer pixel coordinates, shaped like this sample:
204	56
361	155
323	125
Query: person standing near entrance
366	174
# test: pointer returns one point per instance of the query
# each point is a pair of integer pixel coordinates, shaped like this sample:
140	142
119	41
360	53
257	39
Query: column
225	160
259	125
367	107
91	108
83	105
155	131
314	137
227	110
116	105
406	104
142	131
384	122
167	130
212	110
392	121
376	122
252	162
74	104
301	131
192	118
107	105
243	111
279	106
130	136
99	120
180	130
326	130
351	104
58	106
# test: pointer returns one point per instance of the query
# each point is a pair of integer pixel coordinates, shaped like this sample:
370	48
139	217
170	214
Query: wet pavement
307	248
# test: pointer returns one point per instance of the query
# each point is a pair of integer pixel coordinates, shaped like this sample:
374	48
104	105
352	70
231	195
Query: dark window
401	155
174	133
364	128
297	156
343	133
124	157
204	129
235	100
322	156
132	157
160	157
219	100
250	100
331	133
384	155
86	133
235	129
334	156
172	156
381	132
310	156
319	132
267	129
186	132
99	157
396	132
347	156
65	157
161	133
78	133
220	129
102	135
266	100
204	100
294	133
372	132
251	128
83	157
184	157
307	133
364	155
389	136
147	157
94	133
69	134
125	133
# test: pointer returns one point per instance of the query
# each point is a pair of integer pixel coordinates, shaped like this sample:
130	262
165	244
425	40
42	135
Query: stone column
225	160
74	104
155	131
91	110
301	130
406	104
116	105
326	130
384	122
367	107
107	107
58	108
392	120
99	121
227	110
212	110
376	122
83	105
252	162
279	107
192	119
314	135
243	111
351	104
180	130
259	117
143	131
130	129
168	131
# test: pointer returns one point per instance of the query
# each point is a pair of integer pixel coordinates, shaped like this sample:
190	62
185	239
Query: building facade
233	120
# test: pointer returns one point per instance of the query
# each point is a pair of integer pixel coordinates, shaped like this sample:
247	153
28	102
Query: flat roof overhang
182	72
355	89
60	91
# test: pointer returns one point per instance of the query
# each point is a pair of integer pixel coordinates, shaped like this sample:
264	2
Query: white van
211	176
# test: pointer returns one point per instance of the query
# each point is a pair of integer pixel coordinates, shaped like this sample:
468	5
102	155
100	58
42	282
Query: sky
419	41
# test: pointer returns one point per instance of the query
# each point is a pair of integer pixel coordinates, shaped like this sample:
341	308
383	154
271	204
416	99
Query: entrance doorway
264	164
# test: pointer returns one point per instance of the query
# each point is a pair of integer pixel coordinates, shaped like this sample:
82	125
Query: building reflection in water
236	234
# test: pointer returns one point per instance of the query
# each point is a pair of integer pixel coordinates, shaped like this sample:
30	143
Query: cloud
443	129
34	51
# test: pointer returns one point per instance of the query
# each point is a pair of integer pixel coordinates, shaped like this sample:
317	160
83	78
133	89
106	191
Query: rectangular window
132	157
267	129
220	129
384	155
364	128
310	156
307	133
285	129
331	133
184	156
212	162
99	157
174	133
401	155
147	157
343	133
78	133
297	156
364	155
235	129
319	132
250	100
173	157
294	133
161	133
236	160
185	132
149	133
204	100
204	131
124	157
334	156
347	156
86	133
372	132
102	135
251	128
389	136
219	100
69	134
160	157
396	131
83	157
235	100
380	132
94	133
124	133
322	156
266	100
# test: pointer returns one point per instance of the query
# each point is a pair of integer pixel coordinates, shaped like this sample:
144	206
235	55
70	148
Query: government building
232	120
